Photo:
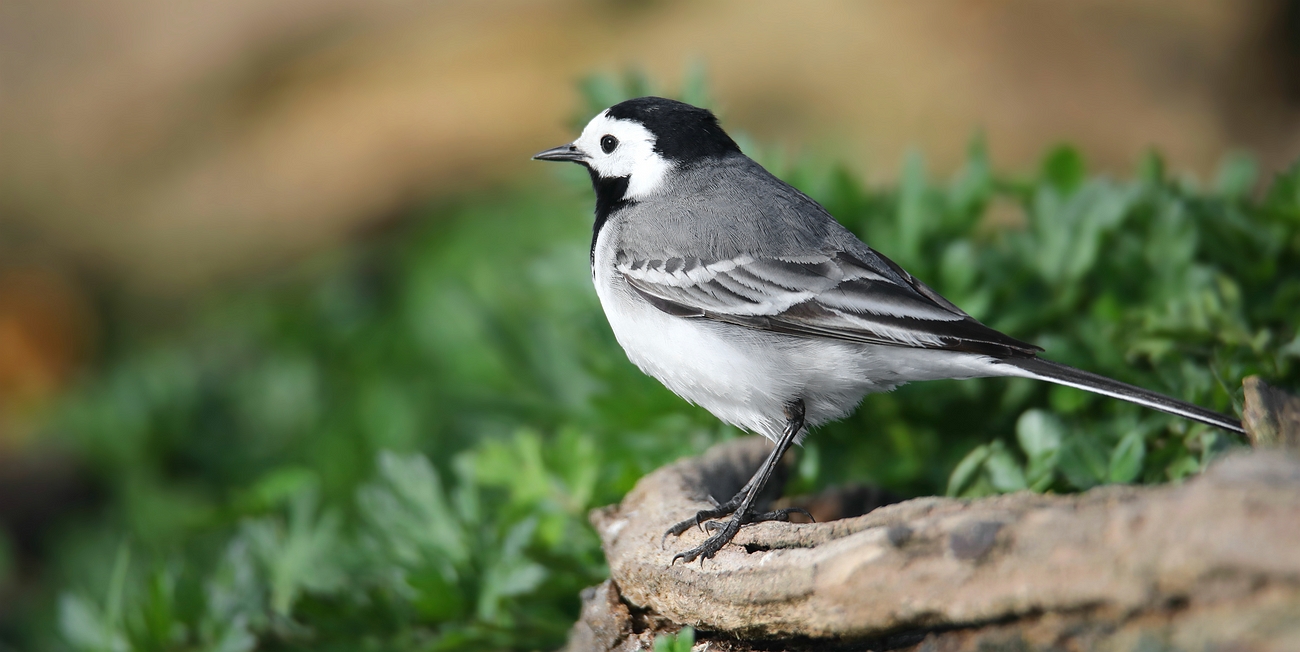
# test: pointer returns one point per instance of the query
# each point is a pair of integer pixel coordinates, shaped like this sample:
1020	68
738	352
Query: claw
690	556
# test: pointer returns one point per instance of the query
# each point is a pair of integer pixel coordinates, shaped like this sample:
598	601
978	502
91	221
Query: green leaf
1126	460
966	470
518	465
409	515
236	591
298	554
276	488
973	185
1083	462
914	217
157	625
1004	471
511	573
682	641
958	269
1283	198
86	629
1151	168
1063	168
809	463
436	599
1183	467
1040	434
234	637
1236	176
1068	400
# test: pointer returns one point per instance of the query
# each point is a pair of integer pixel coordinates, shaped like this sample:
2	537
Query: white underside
745	376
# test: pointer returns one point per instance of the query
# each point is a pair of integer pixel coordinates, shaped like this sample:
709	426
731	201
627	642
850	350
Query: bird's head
641	141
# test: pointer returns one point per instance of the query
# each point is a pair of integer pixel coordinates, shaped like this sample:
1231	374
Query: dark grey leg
742	504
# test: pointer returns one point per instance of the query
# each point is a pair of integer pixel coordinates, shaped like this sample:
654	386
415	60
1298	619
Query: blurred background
247	245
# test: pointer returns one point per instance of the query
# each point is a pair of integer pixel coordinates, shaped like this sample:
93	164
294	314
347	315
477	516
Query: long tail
1070	377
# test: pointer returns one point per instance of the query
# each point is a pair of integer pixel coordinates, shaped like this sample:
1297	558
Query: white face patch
634	156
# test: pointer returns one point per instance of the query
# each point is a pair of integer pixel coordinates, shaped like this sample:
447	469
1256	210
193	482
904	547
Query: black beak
562	153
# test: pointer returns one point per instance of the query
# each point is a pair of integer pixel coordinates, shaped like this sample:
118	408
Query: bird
743	295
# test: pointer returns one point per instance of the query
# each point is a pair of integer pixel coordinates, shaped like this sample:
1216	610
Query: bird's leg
793	411
741	512
728	508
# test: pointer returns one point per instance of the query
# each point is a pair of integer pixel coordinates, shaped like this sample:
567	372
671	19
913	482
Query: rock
605	621
1271	416
1209	563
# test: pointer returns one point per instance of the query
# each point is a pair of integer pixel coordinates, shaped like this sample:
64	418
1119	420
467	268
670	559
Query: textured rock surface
1212	562
1270	415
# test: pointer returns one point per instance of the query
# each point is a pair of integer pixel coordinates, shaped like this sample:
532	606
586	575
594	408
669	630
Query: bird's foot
724	532
725	509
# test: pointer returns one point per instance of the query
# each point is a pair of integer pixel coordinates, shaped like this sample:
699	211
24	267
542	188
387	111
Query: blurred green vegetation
395	447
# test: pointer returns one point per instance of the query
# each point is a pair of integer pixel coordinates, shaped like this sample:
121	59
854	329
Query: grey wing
838	295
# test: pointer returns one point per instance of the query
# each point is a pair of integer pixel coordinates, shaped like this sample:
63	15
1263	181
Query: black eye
608	143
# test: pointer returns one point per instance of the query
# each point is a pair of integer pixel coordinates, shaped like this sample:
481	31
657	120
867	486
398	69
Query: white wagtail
743	295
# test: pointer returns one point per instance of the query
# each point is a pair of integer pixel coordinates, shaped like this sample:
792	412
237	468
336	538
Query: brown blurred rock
1209	564
46	336
168	142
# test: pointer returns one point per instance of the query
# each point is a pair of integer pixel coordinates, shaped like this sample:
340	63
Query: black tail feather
1071	377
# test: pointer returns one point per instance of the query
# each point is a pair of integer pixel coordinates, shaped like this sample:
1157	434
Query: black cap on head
683	133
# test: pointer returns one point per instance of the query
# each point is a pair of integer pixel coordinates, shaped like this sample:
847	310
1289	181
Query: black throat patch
609	198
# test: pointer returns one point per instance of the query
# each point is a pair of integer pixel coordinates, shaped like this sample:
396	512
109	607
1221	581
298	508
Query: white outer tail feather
1060	374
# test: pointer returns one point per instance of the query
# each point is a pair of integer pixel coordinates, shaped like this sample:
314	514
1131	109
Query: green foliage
1151	281
422	564
395	447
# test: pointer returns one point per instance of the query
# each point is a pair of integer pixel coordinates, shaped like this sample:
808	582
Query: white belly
746	376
